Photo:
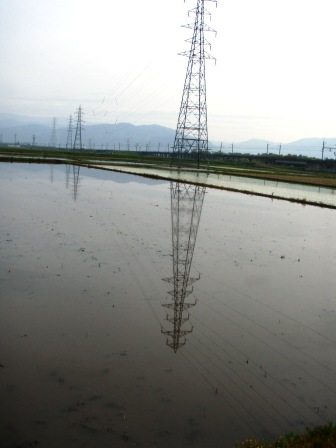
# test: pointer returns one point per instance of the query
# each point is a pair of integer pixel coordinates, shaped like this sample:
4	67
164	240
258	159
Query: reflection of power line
186	207
235	352
289	345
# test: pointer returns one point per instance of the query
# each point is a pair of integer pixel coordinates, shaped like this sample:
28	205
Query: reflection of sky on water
283	190
81	315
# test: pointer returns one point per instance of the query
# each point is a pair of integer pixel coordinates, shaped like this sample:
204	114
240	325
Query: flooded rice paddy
147	313
269	188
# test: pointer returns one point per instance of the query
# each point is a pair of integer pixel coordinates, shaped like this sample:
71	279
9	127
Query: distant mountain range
311	147
21	129
99	136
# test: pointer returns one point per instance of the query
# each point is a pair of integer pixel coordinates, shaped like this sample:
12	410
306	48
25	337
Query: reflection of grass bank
320	437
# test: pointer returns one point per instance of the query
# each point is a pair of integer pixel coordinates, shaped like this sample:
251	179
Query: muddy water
83	333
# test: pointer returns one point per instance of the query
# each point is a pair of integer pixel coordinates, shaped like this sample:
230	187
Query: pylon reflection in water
186	208
76	169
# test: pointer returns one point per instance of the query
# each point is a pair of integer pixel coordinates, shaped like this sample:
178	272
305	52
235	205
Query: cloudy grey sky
274	77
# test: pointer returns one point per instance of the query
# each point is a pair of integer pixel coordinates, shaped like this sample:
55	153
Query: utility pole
69	137
192	126
53	134
186	208
329	148
78	144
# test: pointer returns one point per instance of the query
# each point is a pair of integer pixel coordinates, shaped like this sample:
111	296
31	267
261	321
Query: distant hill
24	133
311	147
11	120
151	137
98	136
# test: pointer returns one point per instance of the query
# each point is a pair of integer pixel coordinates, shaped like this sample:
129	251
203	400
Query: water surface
269	188
83	333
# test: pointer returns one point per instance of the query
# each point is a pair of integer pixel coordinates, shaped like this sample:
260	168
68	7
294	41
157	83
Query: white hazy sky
274	77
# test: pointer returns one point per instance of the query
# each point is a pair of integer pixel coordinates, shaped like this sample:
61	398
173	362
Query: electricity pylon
69	137
192	126
79	128
53	135
186	207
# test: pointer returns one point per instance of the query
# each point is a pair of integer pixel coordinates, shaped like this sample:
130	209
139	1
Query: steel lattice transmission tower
192	127
186	207
78	144
69	137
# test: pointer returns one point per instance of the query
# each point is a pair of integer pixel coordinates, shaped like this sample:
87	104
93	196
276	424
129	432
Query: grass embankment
257	169
320	437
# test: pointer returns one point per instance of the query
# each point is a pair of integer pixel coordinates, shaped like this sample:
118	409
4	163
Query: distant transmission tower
186	208
79	128
53	134
69	137
192	126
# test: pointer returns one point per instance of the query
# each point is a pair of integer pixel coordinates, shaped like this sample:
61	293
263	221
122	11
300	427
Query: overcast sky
275	75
